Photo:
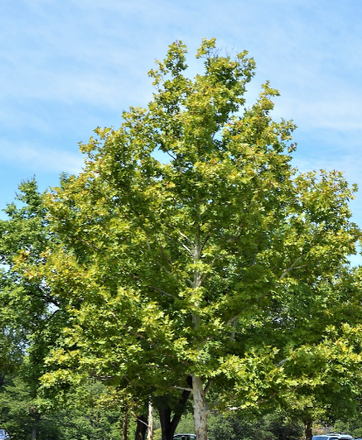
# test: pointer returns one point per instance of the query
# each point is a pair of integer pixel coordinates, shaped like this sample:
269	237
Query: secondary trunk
164	413
141	428
168	421
308	429
34	430
199	408
125	426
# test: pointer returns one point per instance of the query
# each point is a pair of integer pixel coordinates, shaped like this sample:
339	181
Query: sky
69	66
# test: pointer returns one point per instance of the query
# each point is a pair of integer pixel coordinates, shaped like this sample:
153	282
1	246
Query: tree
204	263
30	318
273	426
324	377
11	354
85	416
30	322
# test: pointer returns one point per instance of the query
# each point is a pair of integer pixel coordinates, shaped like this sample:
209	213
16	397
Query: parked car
184	437
4	435
333	436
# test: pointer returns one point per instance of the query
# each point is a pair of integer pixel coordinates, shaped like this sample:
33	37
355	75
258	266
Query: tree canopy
190	247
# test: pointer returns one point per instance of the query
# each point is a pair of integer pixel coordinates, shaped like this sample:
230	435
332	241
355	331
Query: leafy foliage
274	426
222	263
84	419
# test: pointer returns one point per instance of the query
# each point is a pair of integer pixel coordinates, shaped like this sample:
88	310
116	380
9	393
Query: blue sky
67	67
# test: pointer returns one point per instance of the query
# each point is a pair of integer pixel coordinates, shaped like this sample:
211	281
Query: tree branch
292	267
182	388
207	386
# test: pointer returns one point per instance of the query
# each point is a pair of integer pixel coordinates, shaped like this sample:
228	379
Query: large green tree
191	247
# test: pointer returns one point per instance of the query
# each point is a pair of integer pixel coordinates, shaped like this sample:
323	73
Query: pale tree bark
199	408
197	383
150	421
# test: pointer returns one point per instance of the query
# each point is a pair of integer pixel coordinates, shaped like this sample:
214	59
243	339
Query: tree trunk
165	420
34	430
141	428
168	423
308	429
150	421
199	408
125	426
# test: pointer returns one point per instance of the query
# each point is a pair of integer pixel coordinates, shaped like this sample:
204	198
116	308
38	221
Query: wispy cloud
39	159
67	67
98	53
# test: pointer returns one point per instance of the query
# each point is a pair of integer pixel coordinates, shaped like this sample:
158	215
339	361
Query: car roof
181	434
337	435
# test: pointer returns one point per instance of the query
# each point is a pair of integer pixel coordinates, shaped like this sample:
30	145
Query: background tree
352	425
30	317
31	321
327	374
11	353
202	265
26	306
247	425
268	427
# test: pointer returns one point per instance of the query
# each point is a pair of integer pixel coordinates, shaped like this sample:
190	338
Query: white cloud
39	159
65	63
99	52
